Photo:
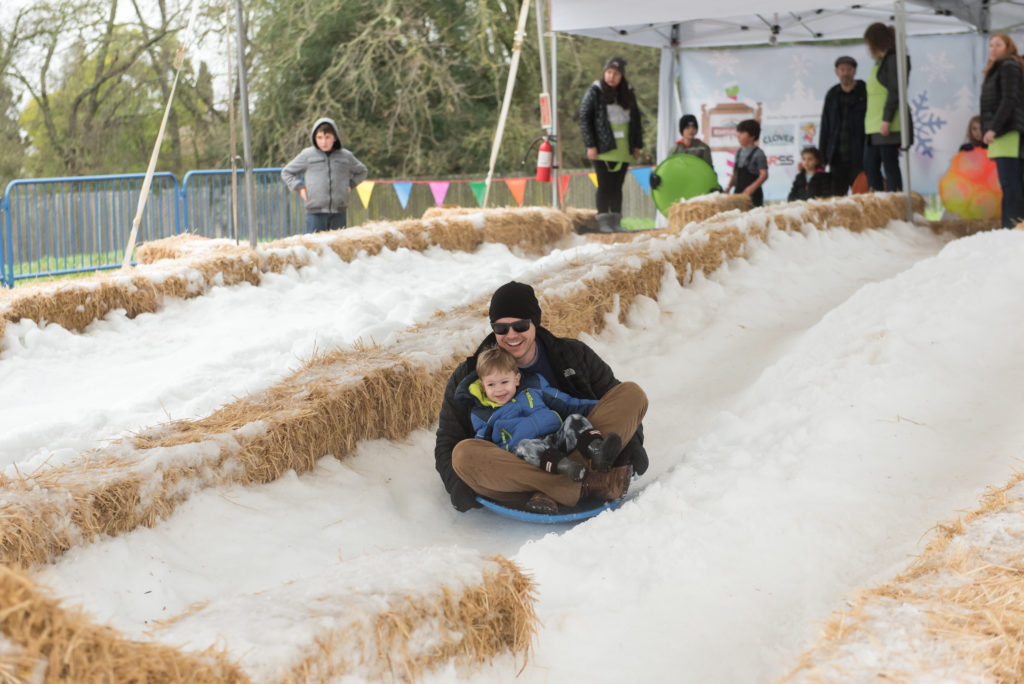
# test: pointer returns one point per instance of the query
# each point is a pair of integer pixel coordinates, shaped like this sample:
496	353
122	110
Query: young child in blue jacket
525	415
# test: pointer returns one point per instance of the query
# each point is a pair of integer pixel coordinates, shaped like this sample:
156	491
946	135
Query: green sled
682	175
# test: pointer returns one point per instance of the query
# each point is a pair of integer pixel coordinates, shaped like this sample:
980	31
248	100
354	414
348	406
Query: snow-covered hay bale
49	642
965	227
185	265
532	229
585	219
76	304
701	208
387	617
955	614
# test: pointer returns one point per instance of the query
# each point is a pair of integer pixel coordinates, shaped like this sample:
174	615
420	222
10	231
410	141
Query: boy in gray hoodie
329	172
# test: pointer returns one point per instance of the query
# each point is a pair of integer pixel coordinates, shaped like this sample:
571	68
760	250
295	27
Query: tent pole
901	75
546	86
556	187
517	50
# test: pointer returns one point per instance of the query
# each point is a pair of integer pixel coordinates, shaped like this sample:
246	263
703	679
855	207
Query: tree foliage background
414	85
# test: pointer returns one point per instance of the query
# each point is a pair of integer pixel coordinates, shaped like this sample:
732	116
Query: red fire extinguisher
544	162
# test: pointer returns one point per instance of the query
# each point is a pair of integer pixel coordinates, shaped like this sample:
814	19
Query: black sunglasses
520	326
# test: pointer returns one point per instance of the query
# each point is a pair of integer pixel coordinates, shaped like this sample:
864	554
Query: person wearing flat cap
841	136
470	467
613	135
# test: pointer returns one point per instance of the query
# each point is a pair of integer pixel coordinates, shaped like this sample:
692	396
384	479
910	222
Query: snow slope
815	409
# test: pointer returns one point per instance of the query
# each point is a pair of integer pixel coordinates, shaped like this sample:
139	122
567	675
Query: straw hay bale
74	304
704	207
205	262
585	219
55	643
389	616
957	610
964	227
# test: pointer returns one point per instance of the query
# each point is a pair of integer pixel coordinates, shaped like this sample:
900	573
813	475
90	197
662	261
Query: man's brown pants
502	476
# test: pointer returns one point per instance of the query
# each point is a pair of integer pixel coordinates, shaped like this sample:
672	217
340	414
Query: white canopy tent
671	26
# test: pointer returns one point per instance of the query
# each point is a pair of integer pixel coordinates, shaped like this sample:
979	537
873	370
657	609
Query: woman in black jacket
613	134
882	120
1002	119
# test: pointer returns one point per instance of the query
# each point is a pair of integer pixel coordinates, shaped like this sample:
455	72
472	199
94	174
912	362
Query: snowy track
814	410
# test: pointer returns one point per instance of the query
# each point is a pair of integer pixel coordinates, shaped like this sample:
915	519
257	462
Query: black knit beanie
616	63
515	300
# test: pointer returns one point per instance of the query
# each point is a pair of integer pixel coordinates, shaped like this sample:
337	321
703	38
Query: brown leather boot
542	503
606	486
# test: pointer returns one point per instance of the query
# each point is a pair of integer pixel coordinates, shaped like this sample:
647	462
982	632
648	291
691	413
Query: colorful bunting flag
593	178
643	177
518	188
439	189
563	182
478	188
402	189
365	189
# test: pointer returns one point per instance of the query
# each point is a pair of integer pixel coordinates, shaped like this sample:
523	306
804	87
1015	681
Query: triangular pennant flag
439	189
365	189
402	190
478	188
643	177
564	185
593	178
518	188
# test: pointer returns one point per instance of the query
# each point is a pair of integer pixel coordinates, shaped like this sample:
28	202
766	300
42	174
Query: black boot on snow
600	449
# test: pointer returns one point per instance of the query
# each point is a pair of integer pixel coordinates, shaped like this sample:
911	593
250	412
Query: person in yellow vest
1002	119
613	135
882	119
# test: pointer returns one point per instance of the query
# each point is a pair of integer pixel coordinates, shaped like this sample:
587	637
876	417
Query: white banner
785	86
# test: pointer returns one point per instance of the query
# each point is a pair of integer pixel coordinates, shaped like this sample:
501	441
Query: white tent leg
517	50
901	74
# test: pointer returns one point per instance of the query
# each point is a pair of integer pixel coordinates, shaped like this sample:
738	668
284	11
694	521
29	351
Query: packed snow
815	408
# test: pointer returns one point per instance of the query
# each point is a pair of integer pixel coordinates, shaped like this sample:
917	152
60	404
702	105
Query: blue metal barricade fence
53	226
208	205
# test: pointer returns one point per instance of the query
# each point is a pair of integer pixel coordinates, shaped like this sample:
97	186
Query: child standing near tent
523	414
750	170
812	180
689	143
323	174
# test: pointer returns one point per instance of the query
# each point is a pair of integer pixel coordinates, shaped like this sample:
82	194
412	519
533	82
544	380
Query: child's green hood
476	388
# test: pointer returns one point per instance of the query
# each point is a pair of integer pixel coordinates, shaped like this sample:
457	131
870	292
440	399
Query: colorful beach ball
970	189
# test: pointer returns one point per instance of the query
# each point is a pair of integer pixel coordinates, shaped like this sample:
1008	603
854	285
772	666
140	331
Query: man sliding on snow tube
470	466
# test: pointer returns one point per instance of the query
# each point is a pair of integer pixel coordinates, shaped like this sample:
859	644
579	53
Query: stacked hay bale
187	266
48	642
955	614
701	208
441	605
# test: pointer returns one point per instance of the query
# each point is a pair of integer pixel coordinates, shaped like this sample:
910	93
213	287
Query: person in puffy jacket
613	135
323	174
469	466
1002	119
